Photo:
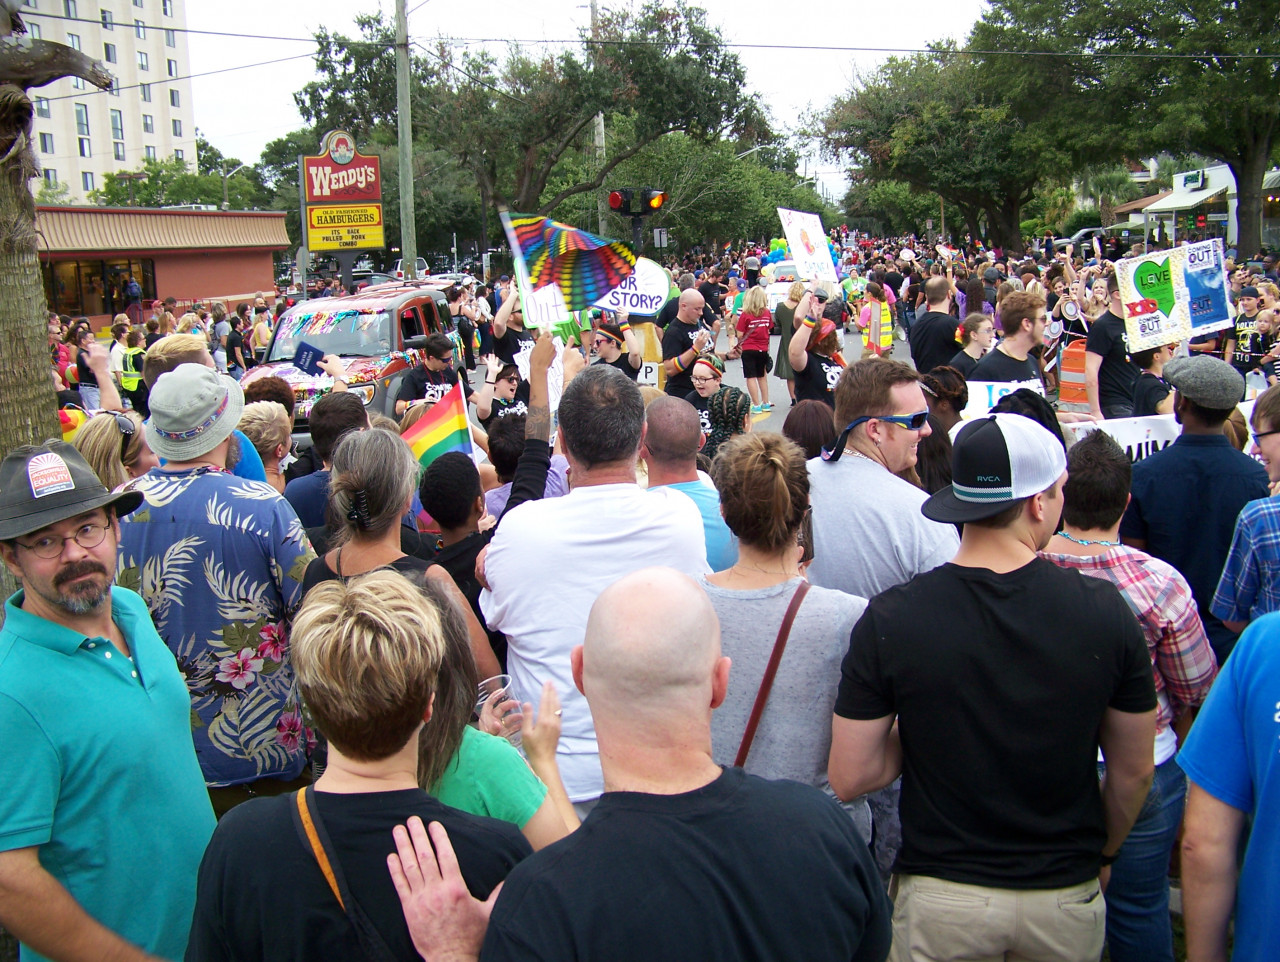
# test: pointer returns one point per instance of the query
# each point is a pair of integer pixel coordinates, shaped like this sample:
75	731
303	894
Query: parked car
380	334
1080	238
397	269
783	276
372	280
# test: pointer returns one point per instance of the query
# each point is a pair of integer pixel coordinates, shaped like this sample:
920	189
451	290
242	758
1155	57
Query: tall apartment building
79	133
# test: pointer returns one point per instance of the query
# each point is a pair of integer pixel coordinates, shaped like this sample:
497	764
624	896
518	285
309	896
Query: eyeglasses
703	380
912	422
1264	434
49	547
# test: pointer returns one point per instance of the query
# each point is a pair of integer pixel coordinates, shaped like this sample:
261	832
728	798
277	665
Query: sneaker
757	409
766	406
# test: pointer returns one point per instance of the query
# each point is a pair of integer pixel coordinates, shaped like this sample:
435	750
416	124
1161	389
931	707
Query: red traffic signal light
620	201
653	200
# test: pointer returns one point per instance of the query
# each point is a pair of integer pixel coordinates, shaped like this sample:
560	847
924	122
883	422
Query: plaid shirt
1182	661
1250	583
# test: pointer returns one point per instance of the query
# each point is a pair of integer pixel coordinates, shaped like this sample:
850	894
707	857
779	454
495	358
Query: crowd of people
643	682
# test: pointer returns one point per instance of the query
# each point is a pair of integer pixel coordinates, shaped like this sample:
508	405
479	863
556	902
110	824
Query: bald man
686	337
681	859
670	454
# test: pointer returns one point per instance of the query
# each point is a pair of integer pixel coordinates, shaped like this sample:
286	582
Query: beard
85	597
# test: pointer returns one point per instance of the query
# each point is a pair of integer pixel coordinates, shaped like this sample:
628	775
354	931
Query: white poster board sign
642	292
983	395
808	243
1174	295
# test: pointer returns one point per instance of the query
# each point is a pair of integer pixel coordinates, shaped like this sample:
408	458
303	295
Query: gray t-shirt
793	739
868	532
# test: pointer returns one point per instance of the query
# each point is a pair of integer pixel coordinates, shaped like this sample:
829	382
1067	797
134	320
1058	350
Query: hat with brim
996	461
1208	381
43	484
193	410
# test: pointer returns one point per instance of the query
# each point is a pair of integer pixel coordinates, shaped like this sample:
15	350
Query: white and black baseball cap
996	461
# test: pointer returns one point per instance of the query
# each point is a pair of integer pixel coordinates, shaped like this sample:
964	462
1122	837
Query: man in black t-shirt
671	822
682	342
933	336
1004	831
431	379
510	338
1109	375
1023	319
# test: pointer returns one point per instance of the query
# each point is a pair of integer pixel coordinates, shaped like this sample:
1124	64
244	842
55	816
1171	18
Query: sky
239	111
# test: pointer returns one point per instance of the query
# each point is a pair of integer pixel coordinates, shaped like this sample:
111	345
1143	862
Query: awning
1142	203
130	230
1193	188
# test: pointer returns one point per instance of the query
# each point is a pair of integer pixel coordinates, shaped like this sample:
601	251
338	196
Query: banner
1174	295
1140	437
808	243
642	292
983	395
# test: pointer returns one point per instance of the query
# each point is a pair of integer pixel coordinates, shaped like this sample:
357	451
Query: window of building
94	286
149	153
73	41
42	107
144	62
46	143
117	150
170	38
114	91
29	3
140	30
86	147
174	99
109	52
148	124
177	154
117	125
77	84
69	9
108	21
82	120
138	4
51	177
177	128
145	91
34	30
86	180
172	66
167	6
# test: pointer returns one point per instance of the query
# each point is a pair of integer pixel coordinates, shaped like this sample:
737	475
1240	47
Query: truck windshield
347	332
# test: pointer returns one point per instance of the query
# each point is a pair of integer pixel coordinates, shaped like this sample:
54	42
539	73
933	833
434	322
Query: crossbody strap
771	669
312	838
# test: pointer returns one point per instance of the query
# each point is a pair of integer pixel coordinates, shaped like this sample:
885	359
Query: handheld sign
1173	295
307	360
642	292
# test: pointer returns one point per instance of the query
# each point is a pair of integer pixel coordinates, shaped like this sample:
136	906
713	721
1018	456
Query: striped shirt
1250	583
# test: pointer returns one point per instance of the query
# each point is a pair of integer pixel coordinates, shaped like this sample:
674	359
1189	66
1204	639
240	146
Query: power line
126	26
472	77
168	80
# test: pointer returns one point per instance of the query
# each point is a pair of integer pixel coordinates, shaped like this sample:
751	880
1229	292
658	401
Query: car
453	277
379	333
781	278
373	280
397	269
1080	238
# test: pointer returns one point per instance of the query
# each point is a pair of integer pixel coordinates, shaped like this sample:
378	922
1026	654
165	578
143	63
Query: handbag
311	830
771	669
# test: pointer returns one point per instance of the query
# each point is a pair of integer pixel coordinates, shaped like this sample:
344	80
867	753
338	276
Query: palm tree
1107	187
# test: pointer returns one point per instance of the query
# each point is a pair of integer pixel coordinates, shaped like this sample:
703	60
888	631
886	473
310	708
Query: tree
897	206
172	182
1107	187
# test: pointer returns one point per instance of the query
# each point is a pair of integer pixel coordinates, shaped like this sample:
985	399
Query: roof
1216	180
146	230
1142	202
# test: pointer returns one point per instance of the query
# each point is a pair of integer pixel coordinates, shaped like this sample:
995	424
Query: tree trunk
1249	171
1004	225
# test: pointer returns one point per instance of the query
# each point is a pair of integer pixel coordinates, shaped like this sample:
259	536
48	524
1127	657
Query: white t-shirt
116	359
868	532
548	563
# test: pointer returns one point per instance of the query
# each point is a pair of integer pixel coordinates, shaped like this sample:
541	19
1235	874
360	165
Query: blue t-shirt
250	465
309	496
722	546
1185	503
1231	754
99	772
219	562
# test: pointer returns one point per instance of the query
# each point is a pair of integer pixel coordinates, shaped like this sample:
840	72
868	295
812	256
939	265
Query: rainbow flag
442	429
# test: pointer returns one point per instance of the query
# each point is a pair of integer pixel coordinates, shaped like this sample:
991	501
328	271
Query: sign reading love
1154	281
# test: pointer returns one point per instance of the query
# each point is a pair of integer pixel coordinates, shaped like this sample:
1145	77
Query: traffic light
620	201
652	200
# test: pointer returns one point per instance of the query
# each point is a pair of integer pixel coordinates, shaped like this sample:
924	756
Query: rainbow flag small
442	429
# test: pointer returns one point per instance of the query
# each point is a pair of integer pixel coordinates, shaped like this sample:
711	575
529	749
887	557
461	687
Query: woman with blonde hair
266	424
764	496
188	324
115	446
784	318
752	332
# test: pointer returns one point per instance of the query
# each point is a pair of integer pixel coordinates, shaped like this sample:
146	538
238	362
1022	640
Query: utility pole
942	212
404	134
601	207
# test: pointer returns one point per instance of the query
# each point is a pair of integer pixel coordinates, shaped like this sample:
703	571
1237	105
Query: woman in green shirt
784	317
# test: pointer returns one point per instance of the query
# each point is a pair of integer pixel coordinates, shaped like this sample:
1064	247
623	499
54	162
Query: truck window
410	323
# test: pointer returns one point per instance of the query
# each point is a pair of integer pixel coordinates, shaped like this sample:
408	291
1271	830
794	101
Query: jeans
1138	928
90	398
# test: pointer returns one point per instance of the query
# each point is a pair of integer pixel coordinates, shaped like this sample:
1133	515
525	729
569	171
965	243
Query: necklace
742	566
1109	544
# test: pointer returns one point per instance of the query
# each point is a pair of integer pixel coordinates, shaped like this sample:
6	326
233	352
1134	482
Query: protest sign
642	292
1174	295
808	243
984	394
1140	437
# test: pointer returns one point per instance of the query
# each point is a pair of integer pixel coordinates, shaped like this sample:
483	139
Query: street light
226	203
751	151
136	176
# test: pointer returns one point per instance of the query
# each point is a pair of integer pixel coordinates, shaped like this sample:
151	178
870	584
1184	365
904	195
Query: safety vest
131	368
886	325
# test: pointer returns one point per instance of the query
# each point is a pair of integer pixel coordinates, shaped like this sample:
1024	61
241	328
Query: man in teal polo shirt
104	815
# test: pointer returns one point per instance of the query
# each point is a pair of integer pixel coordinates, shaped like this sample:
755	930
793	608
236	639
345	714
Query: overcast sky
241	110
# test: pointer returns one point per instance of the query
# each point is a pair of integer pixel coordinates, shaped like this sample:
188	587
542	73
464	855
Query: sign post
342	197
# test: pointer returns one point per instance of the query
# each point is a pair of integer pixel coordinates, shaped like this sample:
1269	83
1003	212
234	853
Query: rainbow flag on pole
444	428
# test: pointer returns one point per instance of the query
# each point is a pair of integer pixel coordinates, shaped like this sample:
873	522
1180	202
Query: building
191	255
80	134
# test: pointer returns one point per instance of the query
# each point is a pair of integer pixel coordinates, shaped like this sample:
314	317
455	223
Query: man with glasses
102	785
432	379
1023	319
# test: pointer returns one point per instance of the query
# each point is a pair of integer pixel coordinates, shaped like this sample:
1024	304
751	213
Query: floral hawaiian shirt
219	561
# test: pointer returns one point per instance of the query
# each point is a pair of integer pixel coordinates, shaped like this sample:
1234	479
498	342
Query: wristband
491	383
680	368
810	322
624	326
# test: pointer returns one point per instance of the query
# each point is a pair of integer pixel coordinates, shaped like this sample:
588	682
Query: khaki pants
935	920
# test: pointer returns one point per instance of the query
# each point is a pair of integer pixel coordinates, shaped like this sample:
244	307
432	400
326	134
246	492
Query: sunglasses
126	428
912	422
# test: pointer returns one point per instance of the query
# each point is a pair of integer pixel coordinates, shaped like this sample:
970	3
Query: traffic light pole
637	232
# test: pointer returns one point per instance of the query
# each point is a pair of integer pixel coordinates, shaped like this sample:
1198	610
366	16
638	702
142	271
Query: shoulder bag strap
311	829
766	683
